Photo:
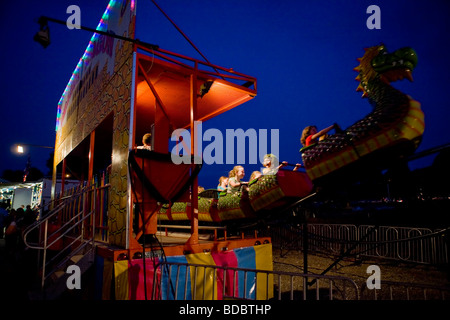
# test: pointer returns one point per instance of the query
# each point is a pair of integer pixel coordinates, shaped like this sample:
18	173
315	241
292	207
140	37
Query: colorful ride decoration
187	282
264	193
393	129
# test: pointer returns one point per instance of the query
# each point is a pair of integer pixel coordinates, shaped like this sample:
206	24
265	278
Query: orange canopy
170	75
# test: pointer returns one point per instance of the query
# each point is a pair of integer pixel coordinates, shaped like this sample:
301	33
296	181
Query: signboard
101	85
94	71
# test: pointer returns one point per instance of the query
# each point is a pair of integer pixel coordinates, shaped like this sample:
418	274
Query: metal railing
171	282
393	290
184	281
66	230
412	244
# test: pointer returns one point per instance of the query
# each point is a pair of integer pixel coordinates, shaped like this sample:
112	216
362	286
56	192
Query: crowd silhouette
18	265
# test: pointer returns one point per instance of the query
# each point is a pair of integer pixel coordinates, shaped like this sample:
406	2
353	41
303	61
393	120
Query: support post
63	176
305	248
91	156
193	240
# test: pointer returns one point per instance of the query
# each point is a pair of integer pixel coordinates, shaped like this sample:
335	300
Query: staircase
64	236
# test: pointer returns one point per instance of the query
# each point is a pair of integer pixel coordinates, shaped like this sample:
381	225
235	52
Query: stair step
76	258
56	275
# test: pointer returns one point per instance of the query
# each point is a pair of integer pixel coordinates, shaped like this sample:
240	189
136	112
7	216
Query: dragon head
378	63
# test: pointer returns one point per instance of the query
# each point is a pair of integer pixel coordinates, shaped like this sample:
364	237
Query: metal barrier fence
419	245
183	281
390	290
219	282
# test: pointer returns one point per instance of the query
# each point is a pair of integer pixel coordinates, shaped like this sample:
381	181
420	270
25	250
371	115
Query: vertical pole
44	257
91	156
447	244
63	176
83	208
63	183
54	183
131	144
88	222
194	186
305	248
93	215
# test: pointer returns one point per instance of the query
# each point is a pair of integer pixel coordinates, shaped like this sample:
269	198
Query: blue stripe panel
246	259
169	287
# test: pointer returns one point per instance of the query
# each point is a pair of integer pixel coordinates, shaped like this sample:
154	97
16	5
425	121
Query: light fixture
204	88
21	147
43	35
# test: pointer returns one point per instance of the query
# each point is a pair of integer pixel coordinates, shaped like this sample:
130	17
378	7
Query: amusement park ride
123	89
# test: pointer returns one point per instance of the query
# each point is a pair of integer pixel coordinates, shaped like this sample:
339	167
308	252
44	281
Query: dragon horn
360	88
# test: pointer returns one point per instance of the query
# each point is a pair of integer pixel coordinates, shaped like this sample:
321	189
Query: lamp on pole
43	35
20	148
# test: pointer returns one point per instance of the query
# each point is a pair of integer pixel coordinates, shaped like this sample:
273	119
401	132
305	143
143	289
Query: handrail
63	201
165	54
76	220
38	223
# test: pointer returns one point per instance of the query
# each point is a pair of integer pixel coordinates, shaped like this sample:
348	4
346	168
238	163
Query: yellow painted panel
203	279
121	279
263	261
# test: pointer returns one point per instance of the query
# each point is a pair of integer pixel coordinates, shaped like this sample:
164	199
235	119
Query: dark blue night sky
301	52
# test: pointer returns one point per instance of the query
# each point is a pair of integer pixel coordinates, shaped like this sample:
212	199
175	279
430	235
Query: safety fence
183	281
418	245
87	196
393	290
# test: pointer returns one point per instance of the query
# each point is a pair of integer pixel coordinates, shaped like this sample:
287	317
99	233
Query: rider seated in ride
234	180
223	183
271	165
310	135
147	142
255	175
